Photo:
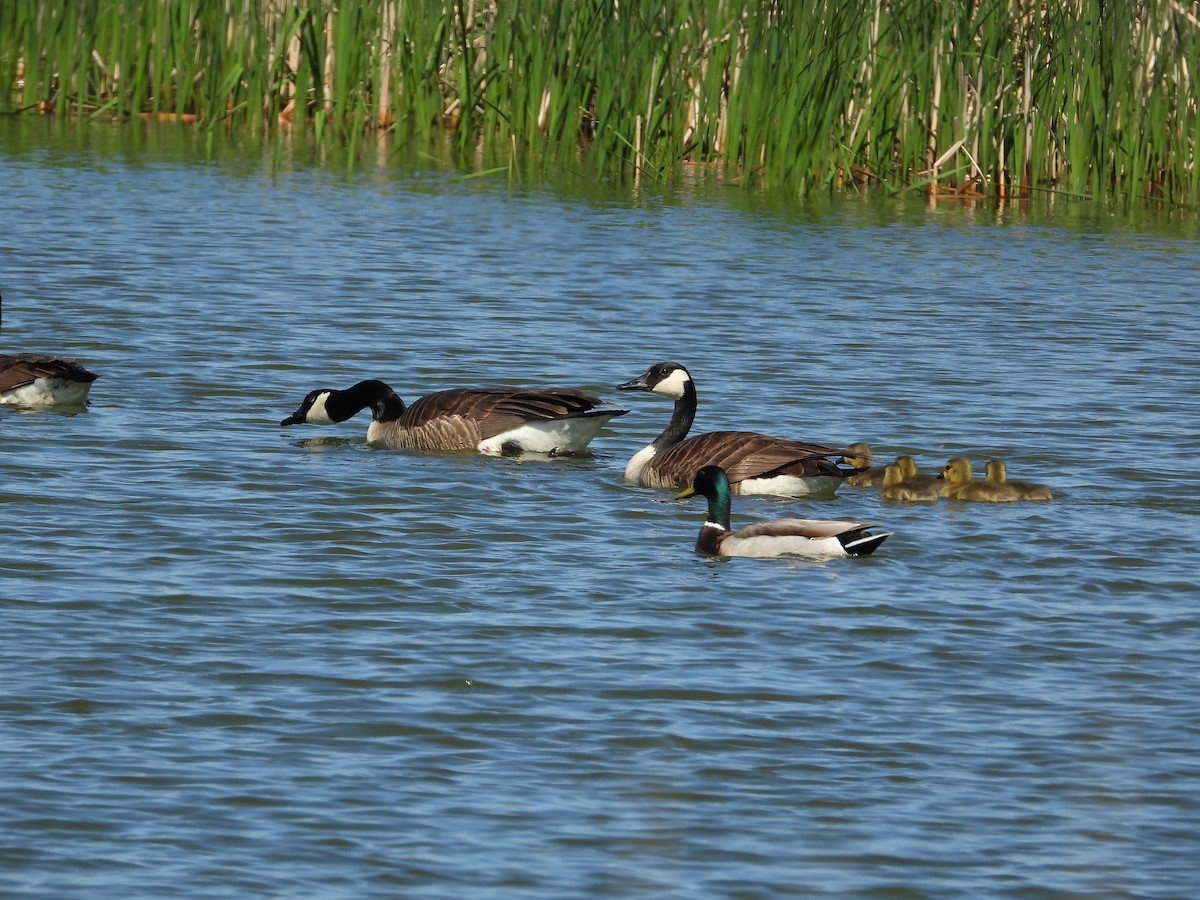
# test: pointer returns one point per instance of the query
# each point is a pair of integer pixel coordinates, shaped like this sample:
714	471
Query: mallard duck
755	463
781	537
508	421
997	474
39	379
897	487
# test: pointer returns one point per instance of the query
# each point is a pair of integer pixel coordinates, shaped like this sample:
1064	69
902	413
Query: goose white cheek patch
672	386
317	415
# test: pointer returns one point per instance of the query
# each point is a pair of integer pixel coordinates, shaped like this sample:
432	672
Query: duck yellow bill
686	492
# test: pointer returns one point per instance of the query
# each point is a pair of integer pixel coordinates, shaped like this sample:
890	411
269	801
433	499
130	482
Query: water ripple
245	660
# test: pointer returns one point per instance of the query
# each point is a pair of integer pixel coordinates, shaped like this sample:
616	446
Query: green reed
1089	97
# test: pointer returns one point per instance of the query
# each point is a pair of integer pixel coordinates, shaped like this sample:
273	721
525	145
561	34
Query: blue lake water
240	660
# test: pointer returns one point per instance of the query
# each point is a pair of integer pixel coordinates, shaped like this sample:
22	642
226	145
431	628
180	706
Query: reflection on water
245	662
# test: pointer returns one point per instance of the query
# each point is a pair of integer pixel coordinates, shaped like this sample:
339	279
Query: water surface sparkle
244	660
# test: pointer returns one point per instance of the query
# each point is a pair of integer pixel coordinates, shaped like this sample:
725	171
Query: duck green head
712	483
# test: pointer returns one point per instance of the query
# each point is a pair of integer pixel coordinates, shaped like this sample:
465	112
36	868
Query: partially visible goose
39	379
960	484
858	456
908	471
780	537
508	421
897	487
754	463
997	473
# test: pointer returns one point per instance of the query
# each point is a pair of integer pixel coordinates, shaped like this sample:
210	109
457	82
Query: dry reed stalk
934	106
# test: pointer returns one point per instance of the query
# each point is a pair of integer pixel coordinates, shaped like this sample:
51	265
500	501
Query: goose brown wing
743	454
20	369
493	411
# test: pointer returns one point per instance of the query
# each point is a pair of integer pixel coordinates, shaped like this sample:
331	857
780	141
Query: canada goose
859	456
897	487
754	463
960	484
508	421
998	474
39	379
908	472
866	474
781	537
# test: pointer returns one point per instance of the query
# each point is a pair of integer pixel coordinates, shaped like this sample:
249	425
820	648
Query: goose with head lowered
754	463
779	537
498	421
41	379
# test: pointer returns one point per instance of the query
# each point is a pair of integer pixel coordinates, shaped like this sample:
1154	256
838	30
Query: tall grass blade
1089	97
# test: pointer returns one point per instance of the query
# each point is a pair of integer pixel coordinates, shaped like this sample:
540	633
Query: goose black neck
681	419
385	405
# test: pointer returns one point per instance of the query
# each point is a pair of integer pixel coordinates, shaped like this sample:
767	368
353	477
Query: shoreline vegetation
1086	98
